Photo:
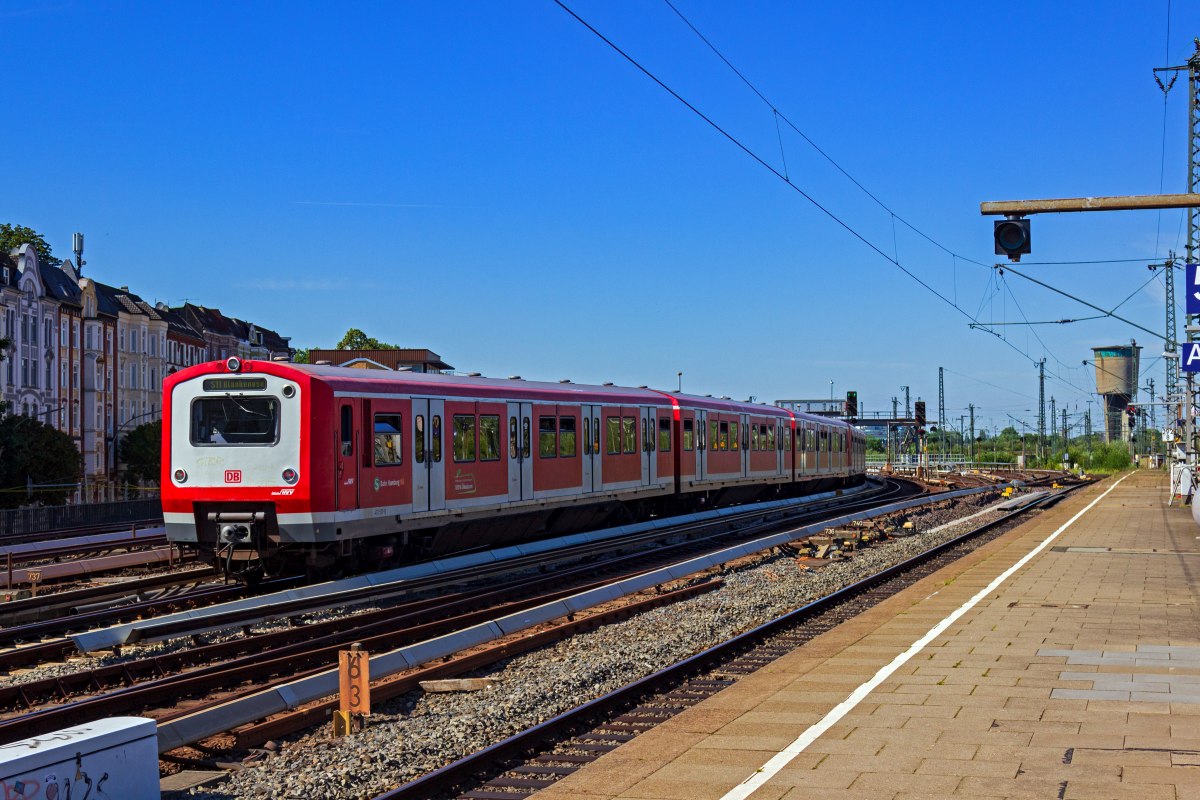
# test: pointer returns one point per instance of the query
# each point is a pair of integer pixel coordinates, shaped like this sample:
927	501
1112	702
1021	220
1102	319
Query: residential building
141	348
409	358
185	344
31	322
62	284
10	295
100	362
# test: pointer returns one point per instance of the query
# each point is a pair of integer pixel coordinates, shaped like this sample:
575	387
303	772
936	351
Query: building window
66	332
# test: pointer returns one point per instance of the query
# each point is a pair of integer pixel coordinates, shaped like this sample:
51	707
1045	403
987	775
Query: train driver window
489	437
347	431
612	435
664	435
436	431
463	437
566	437
547	435
629	434
513	450
419	438
389	440
689	435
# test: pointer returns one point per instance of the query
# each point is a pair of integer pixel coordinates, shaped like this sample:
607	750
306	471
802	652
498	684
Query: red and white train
270	466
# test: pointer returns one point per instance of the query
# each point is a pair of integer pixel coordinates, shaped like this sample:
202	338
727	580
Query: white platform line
784	757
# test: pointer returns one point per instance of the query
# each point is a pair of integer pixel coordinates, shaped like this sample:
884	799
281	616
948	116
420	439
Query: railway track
163	685
543	754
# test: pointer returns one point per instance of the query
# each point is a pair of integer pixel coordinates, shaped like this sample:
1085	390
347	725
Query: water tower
1116	382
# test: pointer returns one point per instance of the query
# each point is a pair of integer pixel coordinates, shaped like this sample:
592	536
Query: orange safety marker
354	688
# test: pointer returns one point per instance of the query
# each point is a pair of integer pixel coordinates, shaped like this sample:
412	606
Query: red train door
347	461
429	478
520	451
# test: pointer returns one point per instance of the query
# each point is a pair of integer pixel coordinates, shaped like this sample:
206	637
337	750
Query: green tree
33	453
301	355
355	339
140	452
13	236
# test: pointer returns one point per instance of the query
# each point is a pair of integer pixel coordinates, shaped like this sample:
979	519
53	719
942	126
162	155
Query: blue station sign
1192	273
1189	357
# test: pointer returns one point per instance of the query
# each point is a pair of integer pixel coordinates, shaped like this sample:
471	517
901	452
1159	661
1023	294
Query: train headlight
233	364
290	475
181	476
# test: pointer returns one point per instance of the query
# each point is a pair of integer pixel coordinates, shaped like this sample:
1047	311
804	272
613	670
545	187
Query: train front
233	461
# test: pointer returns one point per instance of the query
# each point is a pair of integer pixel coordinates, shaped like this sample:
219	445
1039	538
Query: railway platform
1061	660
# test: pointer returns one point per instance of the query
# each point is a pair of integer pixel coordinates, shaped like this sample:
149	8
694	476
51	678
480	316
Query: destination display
235	384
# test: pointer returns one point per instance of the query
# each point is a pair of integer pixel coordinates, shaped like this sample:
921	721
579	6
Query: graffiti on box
76	785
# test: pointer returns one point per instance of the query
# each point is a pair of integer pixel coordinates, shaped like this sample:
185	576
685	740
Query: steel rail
389	627
454	774
152	631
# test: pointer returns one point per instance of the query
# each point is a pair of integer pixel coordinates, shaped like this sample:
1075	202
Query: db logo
233	476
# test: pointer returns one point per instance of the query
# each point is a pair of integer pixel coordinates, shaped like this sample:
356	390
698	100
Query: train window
347	431
525	438
419	438
664	435
389	440
489	437
689	435
587	436
513	450
236	420
547	437
566	437
714	438
436	431
755	439
787	438
629	434
771	438
463	444
733	436
595	435
612	435
723	436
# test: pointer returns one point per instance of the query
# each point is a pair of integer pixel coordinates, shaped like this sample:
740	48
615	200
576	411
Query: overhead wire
783	176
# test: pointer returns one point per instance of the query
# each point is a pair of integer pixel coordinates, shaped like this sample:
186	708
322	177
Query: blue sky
492	181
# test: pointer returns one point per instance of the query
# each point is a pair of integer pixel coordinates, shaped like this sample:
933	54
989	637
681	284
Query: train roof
358	379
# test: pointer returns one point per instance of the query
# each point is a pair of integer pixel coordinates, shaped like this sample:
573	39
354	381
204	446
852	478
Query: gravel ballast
416	733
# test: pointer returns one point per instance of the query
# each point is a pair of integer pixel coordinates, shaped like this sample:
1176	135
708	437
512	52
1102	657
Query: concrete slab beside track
1077	675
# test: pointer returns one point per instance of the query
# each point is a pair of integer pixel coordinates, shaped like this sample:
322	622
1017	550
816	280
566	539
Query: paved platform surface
1078	677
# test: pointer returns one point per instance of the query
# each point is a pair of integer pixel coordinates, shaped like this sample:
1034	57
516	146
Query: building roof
208	320
106	300
59	285
392	359
177	324
13	273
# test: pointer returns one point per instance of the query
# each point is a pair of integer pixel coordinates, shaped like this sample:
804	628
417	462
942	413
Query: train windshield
235	420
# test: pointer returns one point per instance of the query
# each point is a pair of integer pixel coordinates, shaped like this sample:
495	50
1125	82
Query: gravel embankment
416	733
